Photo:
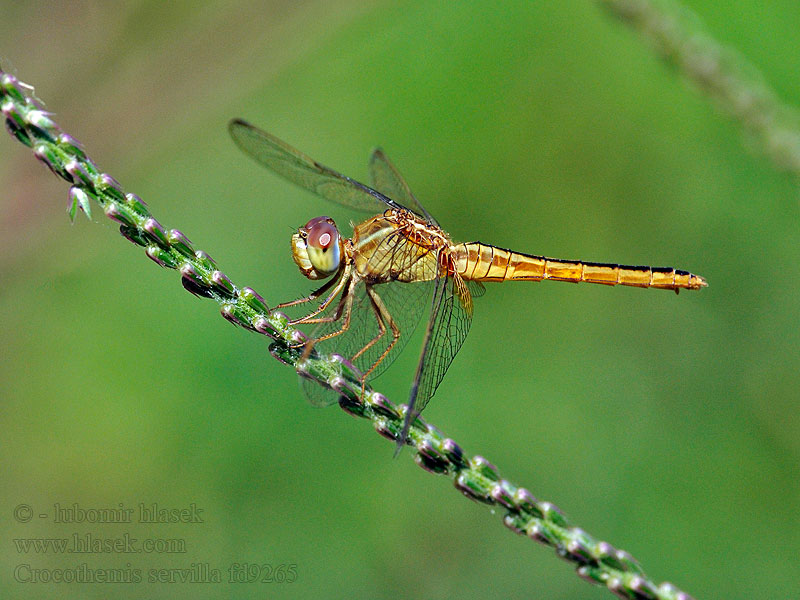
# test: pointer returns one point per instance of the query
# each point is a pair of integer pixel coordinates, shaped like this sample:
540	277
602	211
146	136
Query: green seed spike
77	199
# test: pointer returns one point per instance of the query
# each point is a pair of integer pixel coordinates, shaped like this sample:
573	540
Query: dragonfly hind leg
382	316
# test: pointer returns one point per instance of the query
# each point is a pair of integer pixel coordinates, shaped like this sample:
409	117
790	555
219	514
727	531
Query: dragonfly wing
405	304
304	171
475	288
448	325
387	179
317	394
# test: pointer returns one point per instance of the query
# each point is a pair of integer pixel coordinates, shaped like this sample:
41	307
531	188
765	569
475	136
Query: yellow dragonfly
380	280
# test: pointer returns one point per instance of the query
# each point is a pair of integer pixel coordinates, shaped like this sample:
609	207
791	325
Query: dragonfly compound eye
323	246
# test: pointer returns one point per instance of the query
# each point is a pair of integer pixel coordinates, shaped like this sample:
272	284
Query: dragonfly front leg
345	308
309	318
340	310
312	296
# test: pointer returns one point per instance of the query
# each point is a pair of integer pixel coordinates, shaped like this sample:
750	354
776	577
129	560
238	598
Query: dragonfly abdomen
482	262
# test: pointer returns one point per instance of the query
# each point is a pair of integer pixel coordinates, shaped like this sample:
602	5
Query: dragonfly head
317	248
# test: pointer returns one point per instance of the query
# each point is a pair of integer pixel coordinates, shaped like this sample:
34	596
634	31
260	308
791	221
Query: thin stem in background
719	72
476	478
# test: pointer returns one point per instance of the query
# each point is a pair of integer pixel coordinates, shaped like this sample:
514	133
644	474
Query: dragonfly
379	281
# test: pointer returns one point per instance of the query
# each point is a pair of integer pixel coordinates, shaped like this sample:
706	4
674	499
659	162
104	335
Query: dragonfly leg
312	296
381	315
309	318
381	327
312	319
345	308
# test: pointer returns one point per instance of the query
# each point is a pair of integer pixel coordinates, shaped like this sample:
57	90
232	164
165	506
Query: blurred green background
666	425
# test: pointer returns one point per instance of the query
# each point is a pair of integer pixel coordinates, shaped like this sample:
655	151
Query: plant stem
719	72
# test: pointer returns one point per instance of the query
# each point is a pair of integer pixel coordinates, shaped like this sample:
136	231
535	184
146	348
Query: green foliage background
666	425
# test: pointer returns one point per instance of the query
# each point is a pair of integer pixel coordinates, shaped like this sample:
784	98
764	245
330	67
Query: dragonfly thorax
317	248
399	246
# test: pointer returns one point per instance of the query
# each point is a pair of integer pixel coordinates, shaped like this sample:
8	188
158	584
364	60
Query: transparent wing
387	179
475	288
448	325
317	394
304	171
